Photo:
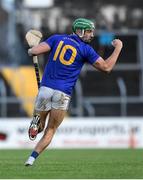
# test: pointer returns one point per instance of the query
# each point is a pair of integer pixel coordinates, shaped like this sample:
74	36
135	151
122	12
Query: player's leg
60	102
55	119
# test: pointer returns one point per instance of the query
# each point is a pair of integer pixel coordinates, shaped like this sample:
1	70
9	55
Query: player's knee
53	125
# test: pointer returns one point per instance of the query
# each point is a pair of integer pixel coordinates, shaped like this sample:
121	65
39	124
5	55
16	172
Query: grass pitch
73	164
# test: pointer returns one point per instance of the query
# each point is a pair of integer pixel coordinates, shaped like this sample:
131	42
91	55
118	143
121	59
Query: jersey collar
76	37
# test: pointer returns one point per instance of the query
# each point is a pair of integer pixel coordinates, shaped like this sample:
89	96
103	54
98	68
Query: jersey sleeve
51	40
91	55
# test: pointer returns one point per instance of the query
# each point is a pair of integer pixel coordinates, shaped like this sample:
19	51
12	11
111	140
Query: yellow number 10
62	53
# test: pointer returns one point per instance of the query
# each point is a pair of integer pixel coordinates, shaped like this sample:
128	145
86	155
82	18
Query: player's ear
78	32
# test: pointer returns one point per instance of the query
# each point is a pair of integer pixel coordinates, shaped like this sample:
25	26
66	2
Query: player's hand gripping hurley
33	38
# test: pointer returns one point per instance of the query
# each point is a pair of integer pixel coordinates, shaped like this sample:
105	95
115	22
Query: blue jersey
68	55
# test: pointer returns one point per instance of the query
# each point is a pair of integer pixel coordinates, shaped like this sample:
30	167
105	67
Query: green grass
73	164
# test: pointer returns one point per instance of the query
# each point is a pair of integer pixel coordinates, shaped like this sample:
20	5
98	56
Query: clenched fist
117	43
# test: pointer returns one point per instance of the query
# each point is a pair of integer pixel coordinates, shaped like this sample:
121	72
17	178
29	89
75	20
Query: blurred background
97	96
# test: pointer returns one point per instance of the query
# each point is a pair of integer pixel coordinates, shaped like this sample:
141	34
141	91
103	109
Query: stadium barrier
77	133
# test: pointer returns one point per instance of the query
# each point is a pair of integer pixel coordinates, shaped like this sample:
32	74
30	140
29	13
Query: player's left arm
39	49
108	64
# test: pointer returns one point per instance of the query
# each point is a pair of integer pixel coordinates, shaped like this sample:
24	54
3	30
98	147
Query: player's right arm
43	47
108	64
39	49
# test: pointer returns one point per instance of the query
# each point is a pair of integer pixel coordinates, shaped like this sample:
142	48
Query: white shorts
49	98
